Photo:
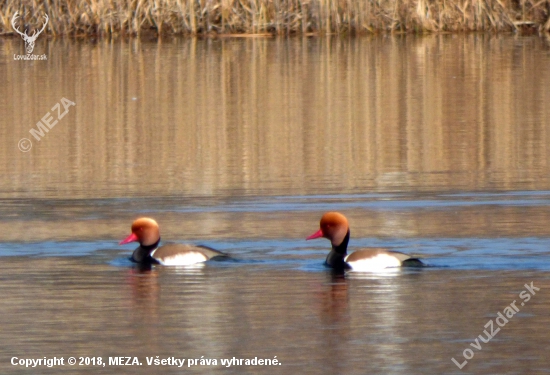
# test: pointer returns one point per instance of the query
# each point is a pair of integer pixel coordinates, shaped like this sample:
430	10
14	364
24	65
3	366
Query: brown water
436	146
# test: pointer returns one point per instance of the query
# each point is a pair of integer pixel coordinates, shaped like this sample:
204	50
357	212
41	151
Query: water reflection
144	305
334	300
144	285
263	116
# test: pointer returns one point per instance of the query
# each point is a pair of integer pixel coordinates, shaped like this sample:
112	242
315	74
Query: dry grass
280	17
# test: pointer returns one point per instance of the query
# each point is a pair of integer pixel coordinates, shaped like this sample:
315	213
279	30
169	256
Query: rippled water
434	146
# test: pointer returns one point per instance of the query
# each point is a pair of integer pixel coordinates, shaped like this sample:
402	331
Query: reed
277	17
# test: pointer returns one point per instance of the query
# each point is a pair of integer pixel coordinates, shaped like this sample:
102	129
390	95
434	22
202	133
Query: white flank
375	263
185	259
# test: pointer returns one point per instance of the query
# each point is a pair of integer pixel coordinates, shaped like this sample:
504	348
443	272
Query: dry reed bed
282	17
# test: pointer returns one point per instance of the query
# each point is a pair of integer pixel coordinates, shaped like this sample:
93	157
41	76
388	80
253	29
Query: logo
29	40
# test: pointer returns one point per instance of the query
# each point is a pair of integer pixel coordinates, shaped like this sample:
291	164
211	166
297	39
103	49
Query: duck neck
342	249
335	258
142	252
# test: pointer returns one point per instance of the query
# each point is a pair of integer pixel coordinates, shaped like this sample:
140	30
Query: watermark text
137	361
46	123
491	329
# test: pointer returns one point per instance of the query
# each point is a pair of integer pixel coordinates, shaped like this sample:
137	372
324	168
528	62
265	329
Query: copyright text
149	361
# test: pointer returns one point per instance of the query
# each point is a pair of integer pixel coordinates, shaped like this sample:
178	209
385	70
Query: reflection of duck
335	227
144	285
144	305
146	232
335	307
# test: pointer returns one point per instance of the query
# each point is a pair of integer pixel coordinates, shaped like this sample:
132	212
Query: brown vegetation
282	17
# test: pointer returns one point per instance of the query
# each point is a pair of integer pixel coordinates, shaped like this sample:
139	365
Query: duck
146	231
335	227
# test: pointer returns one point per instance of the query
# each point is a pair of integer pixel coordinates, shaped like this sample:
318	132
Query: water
434	146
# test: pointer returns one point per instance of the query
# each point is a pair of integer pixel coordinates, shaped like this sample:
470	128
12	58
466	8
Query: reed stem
281	17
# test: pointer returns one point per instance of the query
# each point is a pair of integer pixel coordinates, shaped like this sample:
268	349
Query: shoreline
251	18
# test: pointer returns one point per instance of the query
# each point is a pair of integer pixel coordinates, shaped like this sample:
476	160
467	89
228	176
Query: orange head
334	226
145	231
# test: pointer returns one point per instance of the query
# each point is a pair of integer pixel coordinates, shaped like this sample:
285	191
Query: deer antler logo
29	40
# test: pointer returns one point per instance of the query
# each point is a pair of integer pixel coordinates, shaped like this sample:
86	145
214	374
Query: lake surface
437	146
